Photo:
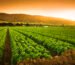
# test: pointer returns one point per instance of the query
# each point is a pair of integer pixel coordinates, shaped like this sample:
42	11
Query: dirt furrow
6	60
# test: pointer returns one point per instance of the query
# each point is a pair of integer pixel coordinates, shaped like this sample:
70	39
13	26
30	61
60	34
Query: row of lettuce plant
25	48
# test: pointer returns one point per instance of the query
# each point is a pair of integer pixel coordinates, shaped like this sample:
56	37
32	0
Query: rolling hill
24	18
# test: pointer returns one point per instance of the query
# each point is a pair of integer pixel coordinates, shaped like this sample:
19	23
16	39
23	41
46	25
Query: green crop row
66	34
55	45
2	41
24	48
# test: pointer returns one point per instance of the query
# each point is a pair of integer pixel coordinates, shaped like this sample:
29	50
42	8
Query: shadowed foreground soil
67	58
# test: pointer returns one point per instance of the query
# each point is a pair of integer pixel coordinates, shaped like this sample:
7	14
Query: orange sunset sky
53	8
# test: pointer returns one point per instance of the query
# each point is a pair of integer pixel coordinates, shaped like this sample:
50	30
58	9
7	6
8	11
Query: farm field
35	44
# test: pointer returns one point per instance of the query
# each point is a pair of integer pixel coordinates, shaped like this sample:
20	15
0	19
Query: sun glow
65	14
68	14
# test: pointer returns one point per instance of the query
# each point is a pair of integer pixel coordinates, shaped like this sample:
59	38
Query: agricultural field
23	45
2	41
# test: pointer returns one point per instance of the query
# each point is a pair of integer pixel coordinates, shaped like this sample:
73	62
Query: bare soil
6	60
67	58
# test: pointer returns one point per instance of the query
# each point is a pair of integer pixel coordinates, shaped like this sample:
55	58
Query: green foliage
2	40
24	48
40	42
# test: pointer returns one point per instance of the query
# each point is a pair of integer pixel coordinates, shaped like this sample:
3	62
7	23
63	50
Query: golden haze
53	8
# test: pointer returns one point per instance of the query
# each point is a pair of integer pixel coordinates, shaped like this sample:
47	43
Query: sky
51	8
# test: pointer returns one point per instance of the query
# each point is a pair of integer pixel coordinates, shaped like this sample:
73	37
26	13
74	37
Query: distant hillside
32	19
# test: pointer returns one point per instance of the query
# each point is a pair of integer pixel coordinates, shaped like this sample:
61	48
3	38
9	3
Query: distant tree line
19	24
29	24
